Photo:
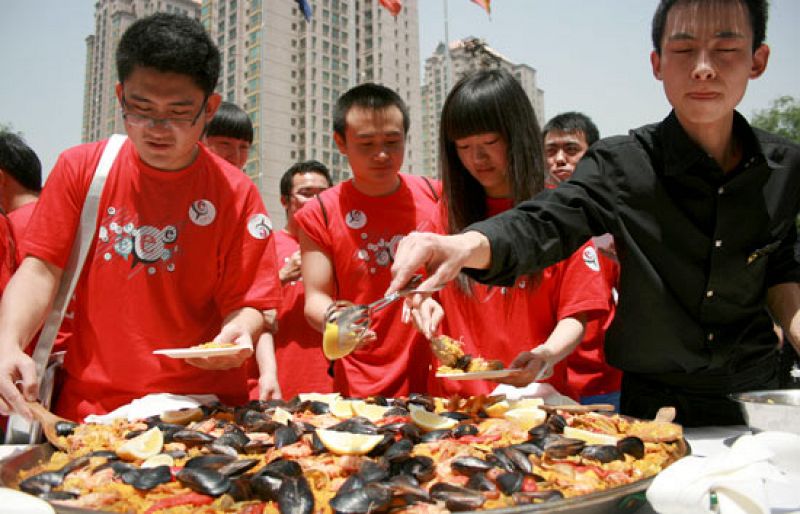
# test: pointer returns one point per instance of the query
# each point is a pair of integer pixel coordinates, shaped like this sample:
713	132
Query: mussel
603	453
457	498
295	496
563	447
373	497
204	481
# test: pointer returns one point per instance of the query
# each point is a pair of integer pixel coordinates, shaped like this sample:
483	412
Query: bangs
474	111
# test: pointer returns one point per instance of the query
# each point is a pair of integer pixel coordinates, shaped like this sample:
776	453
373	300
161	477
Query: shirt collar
682	153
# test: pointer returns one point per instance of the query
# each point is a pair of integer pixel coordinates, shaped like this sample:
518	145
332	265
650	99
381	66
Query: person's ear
118	90
760	58
341	143
285	202
212	104
655	62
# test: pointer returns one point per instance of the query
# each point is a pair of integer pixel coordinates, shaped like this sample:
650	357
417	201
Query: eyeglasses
142	120
308	192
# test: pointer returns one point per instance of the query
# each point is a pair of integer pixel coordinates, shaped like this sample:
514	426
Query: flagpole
447	68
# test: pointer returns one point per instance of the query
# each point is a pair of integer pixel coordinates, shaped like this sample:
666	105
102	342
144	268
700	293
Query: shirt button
710	336
709	293
718	243
721	190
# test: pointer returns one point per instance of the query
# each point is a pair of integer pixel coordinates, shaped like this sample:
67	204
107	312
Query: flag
393	6
305	8
485	5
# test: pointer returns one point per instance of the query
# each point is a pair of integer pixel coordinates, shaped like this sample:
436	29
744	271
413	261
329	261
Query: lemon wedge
369	410
335	347
428	421
342	409
142	446
161	459
526	402
590	437
497	409
526	417
347	443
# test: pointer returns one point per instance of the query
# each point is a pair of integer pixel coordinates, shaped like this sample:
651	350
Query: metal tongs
353	320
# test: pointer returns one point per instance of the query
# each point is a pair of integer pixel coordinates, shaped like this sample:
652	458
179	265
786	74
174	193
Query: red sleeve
51	231
312	222
251	272
583	285
7	253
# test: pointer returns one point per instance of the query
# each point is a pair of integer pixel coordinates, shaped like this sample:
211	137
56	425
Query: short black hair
756	8
571	122
303	167
231	121
20	161
367	96
170	43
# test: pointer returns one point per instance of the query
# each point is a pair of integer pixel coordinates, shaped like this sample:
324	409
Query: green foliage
782	118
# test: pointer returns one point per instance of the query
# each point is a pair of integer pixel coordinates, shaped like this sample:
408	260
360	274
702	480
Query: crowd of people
644	271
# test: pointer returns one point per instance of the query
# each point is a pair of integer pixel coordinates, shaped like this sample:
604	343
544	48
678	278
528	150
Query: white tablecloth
709	441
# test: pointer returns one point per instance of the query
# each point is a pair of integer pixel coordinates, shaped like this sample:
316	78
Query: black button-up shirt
698	249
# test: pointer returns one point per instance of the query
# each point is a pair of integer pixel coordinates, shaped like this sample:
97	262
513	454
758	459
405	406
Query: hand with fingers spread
426	317
535	365
18	382
441	256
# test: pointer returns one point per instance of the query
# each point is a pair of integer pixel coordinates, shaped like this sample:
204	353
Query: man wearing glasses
300	366
183	251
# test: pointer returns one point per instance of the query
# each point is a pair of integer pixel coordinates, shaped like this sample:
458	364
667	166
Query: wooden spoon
48	420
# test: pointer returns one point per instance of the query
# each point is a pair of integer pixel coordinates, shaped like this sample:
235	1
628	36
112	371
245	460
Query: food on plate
453	360
213	344
421	454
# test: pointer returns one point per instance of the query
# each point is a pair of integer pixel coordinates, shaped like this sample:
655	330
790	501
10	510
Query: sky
591	56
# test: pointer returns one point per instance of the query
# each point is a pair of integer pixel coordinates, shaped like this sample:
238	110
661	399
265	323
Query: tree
782	118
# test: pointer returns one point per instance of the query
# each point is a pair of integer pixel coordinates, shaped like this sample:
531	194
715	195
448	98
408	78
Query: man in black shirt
702	209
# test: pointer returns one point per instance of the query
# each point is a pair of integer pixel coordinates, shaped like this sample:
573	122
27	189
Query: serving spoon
49	422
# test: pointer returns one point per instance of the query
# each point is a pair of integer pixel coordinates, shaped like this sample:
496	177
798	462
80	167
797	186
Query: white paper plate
480	375
192	353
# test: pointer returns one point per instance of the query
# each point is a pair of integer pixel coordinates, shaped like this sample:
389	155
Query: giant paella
323	453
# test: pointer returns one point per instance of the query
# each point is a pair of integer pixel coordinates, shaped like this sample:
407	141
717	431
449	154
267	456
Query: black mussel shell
435	435
411	431
396	410
458	416
204	481
283	468
499	459
480	482
65	428
556	423
352	483
386	442
356	425
148	478
526	498
233	436
106	454
424	400
563	447
399	451
371	498
510	482
222	449
295	497
59	495
285	436
266	486
238	467
469	465
42	483
210	461
603	453
242	490
632	445
420	467
192	438
465	429
377	400
529	449
457	498
519	459
371	471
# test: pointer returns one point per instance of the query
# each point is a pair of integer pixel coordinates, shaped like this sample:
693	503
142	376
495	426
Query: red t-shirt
587	370
174	253
8	252
302	367
500	322
360	234
19	219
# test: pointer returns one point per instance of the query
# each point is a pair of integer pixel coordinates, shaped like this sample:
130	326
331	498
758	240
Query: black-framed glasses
142	120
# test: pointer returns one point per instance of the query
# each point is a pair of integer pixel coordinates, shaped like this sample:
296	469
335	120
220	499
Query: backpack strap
324	211
430	186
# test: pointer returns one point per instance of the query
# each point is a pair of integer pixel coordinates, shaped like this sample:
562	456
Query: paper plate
479	375
192	353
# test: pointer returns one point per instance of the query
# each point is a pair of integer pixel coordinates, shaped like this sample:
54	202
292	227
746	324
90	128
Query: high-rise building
101	113
442	71
287	73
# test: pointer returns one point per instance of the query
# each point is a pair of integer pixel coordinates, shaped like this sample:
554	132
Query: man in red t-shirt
348	239
298	359
20	183
567	136
182	252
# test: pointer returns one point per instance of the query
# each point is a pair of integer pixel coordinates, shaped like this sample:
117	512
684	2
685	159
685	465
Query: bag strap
80	248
